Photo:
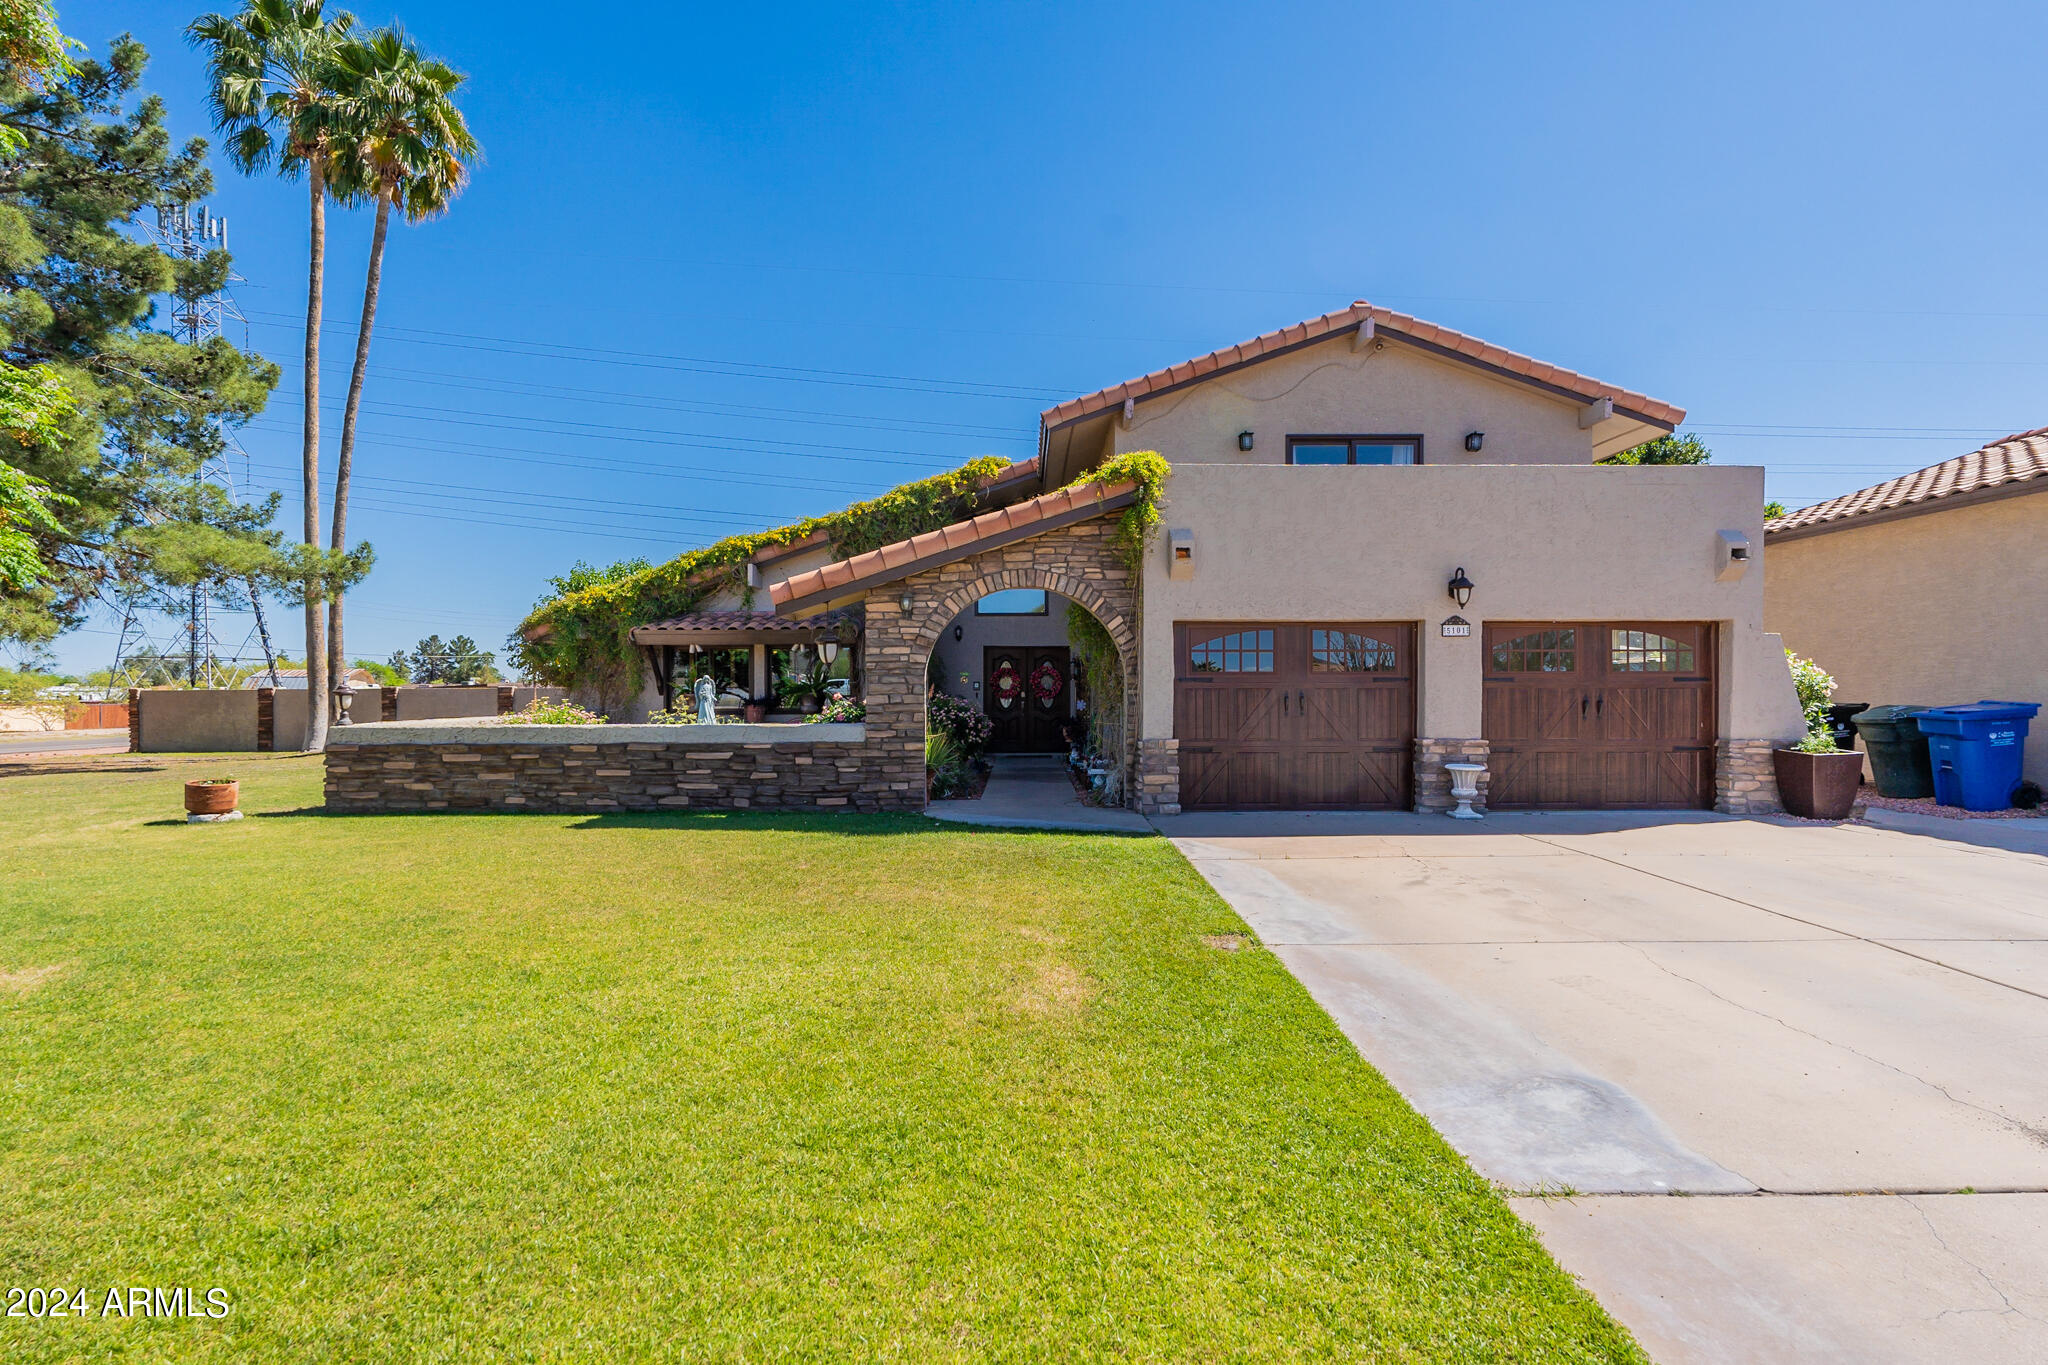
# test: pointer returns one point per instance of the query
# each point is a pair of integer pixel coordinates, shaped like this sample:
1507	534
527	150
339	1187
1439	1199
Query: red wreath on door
1008	683
1047	683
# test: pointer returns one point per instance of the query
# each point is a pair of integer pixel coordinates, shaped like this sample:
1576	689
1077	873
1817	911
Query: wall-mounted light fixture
1474	440
1244	440
1460	587
958	631
828	650
344	697
906	601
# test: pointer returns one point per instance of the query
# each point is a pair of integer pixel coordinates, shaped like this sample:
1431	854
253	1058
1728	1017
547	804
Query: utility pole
188	232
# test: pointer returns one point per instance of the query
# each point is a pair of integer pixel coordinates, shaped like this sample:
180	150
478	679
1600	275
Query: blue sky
729	265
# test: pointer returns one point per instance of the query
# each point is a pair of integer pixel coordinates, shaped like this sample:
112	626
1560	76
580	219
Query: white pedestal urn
1464	789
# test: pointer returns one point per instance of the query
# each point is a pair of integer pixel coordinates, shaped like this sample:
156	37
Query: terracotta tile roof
952	542
1347	319
752	622
2016	459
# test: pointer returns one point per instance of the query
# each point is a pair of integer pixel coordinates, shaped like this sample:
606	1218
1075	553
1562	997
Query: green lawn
698	1087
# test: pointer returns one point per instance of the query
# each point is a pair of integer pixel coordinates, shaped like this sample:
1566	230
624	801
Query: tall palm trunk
316	646
337	655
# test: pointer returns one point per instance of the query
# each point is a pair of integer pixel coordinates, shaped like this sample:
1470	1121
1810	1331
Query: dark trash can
1897	749
1975	751
1840	722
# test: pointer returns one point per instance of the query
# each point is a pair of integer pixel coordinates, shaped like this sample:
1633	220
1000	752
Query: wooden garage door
1605	714
1294	715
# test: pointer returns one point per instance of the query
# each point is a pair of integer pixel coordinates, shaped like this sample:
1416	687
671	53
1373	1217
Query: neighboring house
295	678
1290	640
1925	589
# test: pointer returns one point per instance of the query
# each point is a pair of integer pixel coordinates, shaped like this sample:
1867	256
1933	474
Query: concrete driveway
1772	1091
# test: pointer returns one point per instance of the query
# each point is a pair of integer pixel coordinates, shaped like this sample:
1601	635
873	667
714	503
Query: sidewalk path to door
1774	1091
1033	791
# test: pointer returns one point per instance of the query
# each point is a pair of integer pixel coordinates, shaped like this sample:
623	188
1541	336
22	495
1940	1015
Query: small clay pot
211	798
756	712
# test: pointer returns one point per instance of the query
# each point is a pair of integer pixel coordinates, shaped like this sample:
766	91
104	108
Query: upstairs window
1354	450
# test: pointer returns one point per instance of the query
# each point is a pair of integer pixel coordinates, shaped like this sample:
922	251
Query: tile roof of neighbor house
956	541
2018	458
1348	319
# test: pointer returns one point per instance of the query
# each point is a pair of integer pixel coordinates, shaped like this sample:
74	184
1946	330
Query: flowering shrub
541	711
840	709
1815	686
967	727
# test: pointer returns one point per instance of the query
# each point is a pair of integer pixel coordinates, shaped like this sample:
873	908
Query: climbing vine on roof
583	639
1140	521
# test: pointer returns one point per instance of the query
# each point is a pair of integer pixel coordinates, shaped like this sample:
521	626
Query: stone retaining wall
542	768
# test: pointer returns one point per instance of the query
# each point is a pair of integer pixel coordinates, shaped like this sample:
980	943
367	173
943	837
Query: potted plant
1817	780
212	796
755	711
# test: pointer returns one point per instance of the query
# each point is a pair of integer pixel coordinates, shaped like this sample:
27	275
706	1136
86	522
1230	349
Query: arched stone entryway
1081	562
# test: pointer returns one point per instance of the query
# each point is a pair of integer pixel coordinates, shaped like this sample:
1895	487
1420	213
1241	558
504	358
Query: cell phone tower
187	232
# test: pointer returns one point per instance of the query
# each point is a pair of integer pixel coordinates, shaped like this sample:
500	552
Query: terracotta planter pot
1817	786
756	712
211	798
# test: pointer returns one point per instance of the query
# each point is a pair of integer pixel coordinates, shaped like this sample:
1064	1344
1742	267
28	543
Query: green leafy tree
400	664
108	419
428	660
1686	449
405	145
32	52
1774	509
385	674
272	88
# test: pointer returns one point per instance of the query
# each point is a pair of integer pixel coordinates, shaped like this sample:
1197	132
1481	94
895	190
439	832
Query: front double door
1027	692
1294	715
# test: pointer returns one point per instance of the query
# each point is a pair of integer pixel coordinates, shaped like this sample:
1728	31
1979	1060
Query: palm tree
408	146
272	90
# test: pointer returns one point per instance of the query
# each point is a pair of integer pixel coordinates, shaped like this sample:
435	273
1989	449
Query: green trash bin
1897	749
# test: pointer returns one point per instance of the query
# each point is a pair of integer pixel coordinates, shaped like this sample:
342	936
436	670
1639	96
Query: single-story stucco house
1926	589
1383	546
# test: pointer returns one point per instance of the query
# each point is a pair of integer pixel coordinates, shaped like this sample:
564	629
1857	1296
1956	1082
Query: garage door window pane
1645	651
1540	651
1344	651
1244	651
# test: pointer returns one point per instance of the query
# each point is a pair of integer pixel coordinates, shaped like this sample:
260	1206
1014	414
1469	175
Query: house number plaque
1457	625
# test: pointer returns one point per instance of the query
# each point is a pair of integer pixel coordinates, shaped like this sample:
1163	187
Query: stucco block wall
174	721
1079	562
1946	606
1330	389
1542	543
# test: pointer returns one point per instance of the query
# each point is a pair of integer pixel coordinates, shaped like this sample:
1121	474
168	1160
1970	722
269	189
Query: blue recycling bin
1975	751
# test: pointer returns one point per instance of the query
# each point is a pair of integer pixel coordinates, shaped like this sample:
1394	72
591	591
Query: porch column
757	679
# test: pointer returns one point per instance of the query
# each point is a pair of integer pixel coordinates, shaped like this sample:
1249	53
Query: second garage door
1294	716
1607	714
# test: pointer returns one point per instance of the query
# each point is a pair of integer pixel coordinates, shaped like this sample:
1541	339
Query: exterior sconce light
828	650
1460	587
1474	440
959	631
344	697
1244	440
906	601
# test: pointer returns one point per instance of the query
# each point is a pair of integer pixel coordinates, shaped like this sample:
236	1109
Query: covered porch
757	659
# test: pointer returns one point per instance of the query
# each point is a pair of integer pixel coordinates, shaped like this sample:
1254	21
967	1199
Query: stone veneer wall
1433	785
1158	786
1745	780
557	776
1080	562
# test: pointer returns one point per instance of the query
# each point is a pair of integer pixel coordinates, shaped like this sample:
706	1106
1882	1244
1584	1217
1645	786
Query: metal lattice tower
188	232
